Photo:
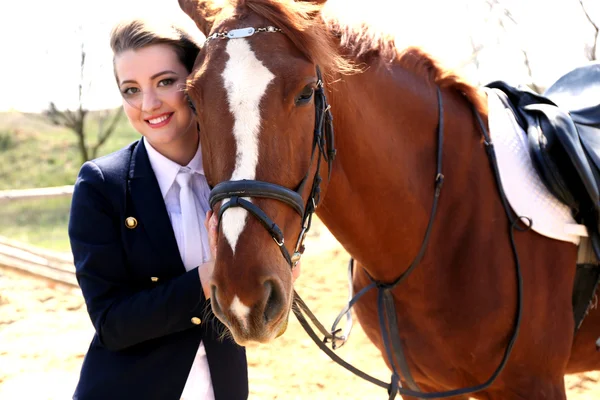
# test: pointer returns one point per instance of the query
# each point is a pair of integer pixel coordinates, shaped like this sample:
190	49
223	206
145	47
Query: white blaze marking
246	80
241	311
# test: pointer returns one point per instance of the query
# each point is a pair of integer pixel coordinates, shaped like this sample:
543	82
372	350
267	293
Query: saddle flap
545	155
556	125
590	140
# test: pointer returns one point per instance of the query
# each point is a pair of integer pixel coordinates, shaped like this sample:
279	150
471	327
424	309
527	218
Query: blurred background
59	106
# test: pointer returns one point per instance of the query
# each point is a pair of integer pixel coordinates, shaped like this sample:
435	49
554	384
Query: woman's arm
122	315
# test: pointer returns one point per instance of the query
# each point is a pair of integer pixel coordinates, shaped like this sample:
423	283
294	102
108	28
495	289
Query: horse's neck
379	199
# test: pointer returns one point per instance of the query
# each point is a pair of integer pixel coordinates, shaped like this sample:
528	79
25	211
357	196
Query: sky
40	41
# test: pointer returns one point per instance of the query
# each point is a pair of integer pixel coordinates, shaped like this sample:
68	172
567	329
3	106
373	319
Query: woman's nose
150	101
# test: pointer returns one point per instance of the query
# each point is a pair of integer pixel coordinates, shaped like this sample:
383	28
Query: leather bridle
235	193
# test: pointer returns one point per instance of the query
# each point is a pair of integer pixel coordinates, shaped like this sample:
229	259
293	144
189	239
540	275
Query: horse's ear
202	12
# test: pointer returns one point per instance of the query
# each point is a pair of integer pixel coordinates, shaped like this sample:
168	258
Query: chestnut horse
256	82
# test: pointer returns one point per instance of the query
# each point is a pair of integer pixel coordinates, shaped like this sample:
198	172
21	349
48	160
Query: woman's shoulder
104	179
118	158
111	166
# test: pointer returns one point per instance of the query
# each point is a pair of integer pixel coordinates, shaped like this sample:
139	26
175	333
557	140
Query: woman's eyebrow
168	71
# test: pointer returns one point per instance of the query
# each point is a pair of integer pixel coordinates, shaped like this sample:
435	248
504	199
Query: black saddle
563	130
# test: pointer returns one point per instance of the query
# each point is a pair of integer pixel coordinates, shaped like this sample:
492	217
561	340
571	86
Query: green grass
38	222
34	153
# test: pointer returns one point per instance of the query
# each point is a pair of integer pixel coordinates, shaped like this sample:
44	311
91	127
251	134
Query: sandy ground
45	331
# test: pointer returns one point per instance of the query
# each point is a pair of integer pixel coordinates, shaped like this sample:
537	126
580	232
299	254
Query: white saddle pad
524	189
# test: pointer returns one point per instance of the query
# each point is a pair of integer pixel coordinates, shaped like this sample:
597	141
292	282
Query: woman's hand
205	270
211	224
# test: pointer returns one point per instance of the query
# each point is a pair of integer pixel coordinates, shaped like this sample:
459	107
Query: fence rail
37	193
45	264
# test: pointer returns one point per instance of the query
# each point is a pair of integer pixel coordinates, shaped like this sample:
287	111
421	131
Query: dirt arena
45	331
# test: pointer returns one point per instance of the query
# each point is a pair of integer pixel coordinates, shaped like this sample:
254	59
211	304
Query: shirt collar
196	163
166	170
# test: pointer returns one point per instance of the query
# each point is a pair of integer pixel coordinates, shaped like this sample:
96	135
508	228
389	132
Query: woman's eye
130	91
305	96
166	82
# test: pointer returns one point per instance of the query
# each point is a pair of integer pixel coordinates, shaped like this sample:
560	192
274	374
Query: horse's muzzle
260	319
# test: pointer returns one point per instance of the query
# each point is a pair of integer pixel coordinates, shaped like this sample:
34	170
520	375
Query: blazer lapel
150	206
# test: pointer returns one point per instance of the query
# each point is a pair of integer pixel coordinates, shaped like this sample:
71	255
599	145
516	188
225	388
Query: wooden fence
37	193
41	263
31	260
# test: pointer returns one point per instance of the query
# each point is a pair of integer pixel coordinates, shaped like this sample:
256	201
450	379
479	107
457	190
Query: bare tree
476	49
504	19
75	120
591	51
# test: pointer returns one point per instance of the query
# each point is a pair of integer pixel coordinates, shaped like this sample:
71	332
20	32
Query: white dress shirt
199	384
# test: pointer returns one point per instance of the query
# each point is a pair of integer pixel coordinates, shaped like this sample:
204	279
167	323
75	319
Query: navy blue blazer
143	304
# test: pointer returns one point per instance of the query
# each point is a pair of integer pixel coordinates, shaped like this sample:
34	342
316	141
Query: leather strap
251	188
260	215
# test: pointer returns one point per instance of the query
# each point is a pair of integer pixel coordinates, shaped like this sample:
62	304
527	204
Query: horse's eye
305	96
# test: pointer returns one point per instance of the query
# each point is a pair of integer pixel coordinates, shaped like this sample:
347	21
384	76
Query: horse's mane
418	61
361	44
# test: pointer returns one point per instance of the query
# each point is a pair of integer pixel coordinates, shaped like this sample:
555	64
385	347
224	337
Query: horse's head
266	145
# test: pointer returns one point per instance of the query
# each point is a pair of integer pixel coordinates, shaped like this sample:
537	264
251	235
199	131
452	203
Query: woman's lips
160	121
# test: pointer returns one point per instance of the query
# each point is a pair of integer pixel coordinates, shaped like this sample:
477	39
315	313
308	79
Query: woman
142	263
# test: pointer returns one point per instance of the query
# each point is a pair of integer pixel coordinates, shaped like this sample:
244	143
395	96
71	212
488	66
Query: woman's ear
202	12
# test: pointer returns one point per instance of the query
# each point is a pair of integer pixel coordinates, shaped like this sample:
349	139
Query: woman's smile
159	120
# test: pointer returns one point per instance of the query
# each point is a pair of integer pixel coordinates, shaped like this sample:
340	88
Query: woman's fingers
208	215
211	223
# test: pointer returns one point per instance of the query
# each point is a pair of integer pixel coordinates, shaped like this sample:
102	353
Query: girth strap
385	303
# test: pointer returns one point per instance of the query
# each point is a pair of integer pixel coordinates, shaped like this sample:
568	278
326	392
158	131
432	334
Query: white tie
192	241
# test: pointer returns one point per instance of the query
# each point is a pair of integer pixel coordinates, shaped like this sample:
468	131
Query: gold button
196	321
130	222
154	279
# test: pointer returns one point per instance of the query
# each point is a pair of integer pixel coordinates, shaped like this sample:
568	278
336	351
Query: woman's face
151	81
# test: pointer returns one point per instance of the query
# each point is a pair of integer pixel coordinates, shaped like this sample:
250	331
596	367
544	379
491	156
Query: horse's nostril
274	302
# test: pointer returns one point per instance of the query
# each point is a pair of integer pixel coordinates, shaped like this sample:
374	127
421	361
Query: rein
237	194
